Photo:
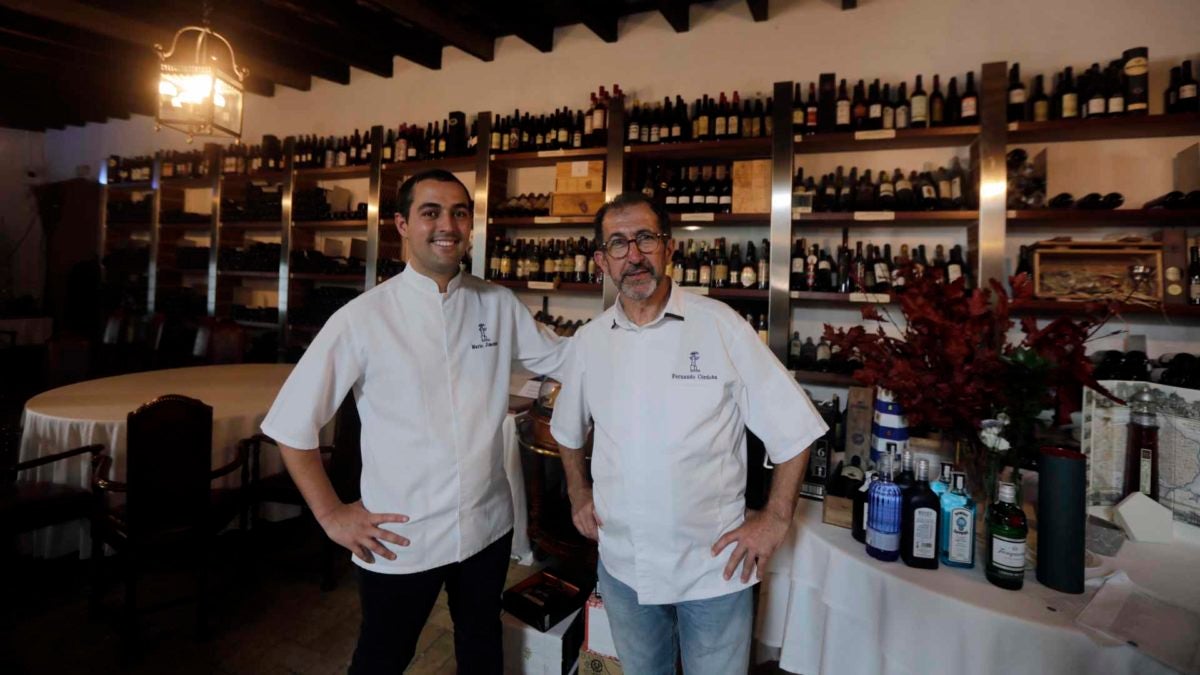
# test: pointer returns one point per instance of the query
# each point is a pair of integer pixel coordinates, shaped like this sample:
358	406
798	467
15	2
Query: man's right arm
569	426
579	490
350	525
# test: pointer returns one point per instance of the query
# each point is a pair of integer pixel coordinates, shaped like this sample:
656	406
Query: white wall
725	50
20	230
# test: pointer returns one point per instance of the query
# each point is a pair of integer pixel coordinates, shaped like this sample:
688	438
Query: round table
95	411
825	606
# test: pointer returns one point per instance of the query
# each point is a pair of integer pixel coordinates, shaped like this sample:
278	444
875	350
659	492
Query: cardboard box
752	186
544	598
838	511
1187	168
583	169
859	413
528	651
576	203
597	632
591	663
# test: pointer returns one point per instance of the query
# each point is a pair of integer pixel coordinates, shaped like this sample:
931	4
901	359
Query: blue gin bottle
884	515
958	525
942	485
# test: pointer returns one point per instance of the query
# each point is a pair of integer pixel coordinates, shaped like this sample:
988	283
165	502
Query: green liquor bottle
1007	531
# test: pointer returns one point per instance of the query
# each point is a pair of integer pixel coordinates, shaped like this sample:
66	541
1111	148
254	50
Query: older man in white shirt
427	356
671	380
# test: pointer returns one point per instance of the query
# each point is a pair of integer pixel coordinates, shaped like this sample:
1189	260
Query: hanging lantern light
203	95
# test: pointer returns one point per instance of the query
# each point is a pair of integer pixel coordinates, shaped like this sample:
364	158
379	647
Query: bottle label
883	541
1116	104
1008	554
691	275
1016	96
843	112
1070	105
721	125
1096	106
887	189
1146	463
875	111
705	276
635	131
798	117
672	199
1194	290
920	109
580	262
961	547
953	272
1137	65
749	276
902	117
735	276
1041	111
721	272
726	199
924	533
685	199
881	271
889	118
712	199
969	106
928	192
944	188
811	116
797	265
1187	91
599	119
505	266
702	125
866	511
677	274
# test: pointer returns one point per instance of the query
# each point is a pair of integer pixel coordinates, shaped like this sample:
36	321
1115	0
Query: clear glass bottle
958	524
1007	533
942	485
884	515
1141	450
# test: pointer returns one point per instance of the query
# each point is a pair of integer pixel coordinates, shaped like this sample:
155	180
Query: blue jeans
713	633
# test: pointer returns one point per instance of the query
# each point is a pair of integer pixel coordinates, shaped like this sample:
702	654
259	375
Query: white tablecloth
828	608
95	411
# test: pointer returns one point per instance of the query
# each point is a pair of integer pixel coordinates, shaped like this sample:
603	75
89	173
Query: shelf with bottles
692	218
248	274
886	139
873	218
249	225
412	167
550	286
348	225
728	294
720	271
823	379
566	222
944	195
528	134
1105	128
727	149
1056	307
516	160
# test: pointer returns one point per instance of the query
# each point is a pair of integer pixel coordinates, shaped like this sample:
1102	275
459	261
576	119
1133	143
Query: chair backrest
168	463
345	469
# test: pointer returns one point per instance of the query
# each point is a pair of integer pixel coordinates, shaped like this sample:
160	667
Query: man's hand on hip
357	529
583	513
756	538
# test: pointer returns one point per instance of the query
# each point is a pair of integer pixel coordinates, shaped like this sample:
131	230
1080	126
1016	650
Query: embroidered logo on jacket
694	372
484	341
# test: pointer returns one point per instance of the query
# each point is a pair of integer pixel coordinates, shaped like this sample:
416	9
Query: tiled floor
269	617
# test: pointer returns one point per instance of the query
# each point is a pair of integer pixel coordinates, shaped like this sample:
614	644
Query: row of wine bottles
524	205
175	164
560	325
871	107
941	189
819	356
559	130
874	270
689	188
566	260
1177	370
708	119
710	267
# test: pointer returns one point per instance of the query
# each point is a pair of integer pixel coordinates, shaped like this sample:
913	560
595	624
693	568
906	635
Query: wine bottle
1068	104
1115	90
874	107
1016	94
884	515
811	110
1007	532
1141	450
903	109
1040	103
888	114
953	103
969	105
907	476
843	119
958	524
860	509
1135	69
919	106
921	520
1194	277
942	484
798	277
1097	101
1188	100
749	274
937	104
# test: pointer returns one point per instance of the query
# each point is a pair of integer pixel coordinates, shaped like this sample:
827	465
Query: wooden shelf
258	325
330	224
546	157
542	221
823	379
732	148
1086	217
133	185
335	172
1105	128
185	183
886	139
248	274
886	218
304	328
851	299
132	227
339	278
702	219
186	227
563	287
276	176
253	225
1166	311
736	293
460	163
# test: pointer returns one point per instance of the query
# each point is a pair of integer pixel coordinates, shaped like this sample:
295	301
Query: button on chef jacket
670	402
430	375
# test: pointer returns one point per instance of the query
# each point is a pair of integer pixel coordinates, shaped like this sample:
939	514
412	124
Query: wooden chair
343	463
30	505
170	504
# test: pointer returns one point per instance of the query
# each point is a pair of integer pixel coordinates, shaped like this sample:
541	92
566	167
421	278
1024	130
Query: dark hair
404	195
627	200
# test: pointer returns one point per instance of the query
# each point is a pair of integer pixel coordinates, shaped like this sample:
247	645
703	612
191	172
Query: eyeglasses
647	243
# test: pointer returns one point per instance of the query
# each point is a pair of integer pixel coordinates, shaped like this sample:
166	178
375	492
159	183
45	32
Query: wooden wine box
752	186
1097	270
579	177
838	511
576	203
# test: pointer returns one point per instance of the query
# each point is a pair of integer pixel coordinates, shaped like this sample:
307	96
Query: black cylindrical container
1061	519
1137	81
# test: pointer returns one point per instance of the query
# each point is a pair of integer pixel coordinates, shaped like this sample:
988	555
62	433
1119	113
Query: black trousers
395	608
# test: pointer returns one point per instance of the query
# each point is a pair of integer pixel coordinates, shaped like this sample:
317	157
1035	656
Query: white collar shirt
429	372
670	402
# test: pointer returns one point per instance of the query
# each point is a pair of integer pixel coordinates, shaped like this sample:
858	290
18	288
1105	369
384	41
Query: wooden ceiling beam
677	13
759	9
374	26
450	30
849	4
119	27
600	18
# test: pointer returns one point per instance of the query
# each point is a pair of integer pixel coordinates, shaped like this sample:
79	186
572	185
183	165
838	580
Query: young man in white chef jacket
671	380
427	356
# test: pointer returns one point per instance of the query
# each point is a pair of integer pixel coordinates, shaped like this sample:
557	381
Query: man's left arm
778	411
537	348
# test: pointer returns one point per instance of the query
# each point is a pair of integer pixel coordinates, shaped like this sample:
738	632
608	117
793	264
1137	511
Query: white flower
991	433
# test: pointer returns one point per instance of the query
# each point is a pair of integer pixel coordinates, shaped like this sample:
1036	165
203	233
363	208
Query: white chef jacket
430	375
671	401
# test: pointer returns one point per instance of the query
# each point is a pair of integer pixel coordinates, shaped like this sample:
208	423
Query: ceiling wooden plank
119	27
599	17
450	30
376	27
849	4
759	9
676	12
